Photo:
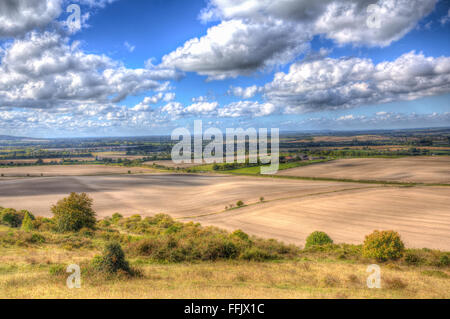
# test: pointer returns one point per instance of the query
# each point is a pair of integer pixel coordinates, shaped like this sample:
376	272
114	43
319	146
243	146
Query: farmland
346	186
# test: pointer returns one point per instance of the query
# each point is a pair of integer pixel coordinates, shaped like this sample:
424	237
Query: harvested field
69	170
175	194
420	214
292	208
170	164
405	169
45	160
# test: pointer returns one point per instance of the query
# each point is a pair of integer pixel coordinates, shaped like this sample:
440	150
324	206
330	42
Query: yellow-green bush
74	213
383	245
318	238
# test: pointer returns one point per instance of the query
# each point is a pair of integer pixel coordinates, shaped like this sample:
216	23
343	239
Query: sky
136	68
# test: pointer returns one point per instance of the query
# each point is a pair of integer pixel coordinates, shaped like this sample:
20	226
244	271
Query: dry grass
233	280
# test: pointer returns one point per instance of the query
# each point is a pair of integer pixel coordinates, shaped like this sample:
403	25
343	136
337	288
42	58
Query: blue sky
145	67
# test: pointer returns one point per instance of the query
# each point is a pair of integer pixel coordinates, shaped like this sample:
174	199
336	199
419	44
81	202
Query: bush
318	238
116	217
43	224
74	212
11	217
57	270
241	235
256	254
412	259
113	260
36	238
27	222
444	260
240	203
383	245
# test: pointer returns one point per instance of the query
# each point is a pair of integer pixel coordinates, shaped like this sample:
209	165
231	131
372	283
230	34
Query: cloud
44	70
445	19
18	17
245	93
129	47
331	84
379	120
346	22
176	109
145	105
93	3
247	109
235	48
82	119
256	35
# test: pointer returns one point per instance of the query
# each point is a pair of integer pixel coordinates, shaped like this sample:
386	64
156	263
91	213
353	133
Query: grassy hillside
187	260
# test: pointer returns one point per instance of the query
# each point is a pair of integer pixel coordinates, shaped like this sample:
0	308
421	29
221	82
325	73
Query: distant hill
12	138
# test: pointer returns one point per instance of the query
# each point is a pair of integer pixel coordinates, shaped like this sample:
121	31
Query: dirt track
347	211
406	169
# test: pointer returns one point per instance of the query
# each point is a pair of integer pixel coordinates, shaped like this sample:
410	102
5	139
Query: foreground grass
186	260
228	279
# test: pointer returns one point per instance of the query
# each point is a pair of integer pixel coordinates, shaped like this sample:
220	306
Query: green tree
318	238
112	260
27	222
11	217
74	212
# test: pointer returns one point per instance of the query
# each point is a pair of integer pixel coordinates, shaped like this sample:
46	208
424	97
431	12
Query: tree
383	245
318	238
27	222
11	217
74	212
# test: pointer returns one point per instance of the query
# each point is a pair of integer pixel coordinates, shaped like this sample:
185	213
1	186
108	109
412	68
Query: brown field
69	170
175	194
420	214
361	138
293	208
171	164
406	169
46	160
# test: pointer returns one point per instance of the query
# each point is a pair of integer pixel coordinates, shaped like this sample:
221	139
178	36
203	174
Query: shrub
318	238
256	254
395	283
113	260
444	260
116	217
241	235
240	203
383	245
27	222
43	224
104	223
57	270
36	238
86	232
11	217
412	259
74	212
